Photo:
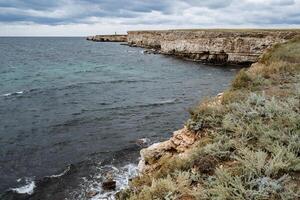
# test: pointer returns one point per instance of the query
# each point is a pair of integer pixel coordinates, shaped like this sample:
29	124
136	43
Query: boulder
92	193
109	185
181	140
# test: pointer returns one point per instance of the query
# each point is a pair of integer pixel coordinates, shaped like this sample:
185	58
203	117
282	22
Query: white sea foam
14	93
167	101
7	94
120	175
61	174
28	188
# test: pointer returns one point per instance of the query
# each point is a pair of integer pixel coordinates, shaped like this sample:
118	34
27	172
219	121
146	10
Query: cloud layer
121	14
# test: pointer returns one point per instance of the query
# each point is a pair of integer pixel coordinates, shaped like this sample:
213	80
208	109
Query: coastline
214	46
173	82
195	150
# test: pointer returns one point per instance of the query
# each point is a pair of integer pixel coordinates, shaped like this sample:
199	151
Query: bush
205	116
241	80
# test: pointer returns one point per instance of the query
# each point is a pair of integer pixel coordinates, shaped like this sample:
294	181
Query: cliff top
218	30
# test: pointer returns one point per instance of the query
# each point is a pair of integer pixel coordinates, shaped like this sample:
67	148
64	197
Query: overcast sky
89	17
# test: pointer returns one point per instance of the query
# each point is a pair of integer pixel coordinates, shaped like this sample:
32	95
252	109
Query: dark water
69	101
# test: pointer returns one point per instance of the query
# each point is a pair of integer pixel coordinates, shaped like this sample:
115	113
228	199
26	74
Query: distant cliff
214	46
108	38
210	46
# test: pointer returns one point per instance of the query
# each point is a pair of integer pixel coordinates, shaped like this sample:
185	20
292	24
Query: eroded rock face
108	38
181	140
214	46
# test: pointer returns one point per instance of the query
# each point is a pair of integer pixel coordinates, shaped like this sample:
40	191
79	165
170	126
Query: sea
72	111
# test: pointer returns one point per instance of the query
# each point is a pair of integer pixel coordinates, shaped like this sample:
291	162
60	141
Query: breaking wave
28	188
13	93
61	174
120	175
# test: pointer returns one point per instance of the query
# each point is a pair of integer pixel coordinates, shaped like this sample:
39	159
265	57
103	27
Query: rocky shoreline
225	150
161	159
177	146
108	38
208	46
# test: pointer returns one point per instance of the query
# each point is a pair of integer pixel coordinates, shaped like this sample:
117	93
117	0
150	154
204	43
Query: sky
90	17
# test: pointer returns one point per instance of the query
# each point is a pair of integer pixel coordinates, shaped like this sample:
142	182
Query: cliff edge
212	46
242	144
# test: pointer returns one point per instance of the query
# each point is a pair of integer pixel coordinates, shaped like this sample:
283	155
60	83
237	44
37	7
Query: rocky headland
213	46
242	144
219	46
108	38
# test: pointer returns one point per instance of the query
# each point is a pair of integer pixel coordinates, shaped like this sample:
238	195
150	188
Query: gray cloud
168	12
213	4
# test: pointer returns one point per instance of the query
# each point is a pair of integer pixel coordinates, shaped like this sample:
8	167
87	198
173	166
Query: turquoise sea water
70	102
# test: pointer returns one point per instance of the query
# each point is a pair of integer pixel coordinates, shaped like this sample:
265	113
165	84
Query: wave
109	82
13	93
75	85
84	71
168	101
28	188
80	84
61	174
120	175
30	185
158	103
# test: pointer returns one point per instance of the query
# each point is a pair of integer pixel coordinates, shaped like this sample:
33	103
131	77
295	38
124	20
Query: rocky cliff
215	46
108	38
242	144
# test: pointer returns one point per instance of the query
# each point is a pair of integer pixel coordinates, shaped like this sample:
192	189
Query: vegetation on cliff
248	139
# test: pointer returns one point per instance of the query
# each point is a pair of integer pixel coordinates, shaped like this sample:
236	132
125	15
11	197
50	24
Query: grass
250	142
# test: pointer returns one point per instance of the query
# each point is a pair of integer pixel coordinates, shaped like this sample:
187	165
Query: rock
181	140
143	142
92	193
151	51
109	185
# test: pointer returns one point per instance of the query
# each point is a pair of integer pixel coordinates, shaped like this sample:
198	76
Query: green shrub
205	116
241	80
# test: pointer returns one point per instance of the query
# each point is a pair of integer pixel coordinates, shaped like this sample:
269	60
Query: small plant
205	116
242	80
251	162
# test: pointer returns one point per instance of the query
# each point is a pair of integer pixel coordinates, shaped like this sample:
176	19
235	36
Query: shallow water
70	101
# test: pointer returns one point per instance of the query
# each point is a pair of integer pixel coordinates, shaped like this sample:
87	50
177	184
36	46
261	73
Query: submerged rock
151	51
143	142
109	185
91	194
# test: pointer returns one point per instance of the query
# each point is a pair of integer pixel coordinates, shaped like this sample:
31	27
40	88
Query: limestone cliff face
216	46
177	146
108	38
